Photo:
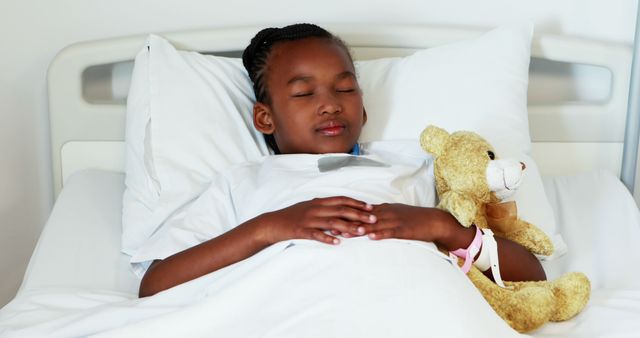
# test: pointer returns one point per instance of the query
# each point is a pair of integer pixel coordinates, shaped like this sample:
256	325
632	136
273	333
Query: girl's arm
305	220
438	226
228	248
516	262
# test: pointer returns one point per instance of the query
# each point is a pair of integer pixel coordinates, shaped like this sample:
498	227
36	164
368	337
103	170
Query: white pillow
480	85
200	117
141	187
188	116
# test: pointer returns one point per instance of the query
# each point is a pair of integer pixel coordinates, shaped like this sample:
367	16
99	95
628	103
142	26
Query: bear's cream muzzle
504	176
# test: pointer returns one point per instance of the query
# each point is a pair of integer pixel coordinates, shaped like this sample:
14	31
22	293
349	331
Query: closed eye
346	90
302	94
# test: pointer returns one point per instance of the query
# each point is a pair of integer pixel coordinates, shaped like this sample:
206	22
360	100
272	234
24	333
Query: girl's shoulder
407	152
402	152
242	168
269	165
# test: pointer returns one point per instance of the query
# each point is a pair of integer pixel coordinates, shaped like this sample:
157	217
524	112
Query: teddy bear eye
492	156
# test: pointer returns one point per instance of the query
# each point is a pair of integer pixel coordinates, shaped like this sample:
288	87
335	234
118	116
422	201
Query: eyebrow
345	74
303	78
307	79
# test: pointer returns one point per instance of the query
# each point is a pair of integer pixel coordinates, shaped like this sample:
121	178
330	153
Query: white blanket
360	288
596	215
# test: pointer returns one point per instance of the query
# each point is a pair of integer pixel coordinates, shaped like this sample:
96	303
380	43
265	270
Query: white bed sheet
77	264
600	223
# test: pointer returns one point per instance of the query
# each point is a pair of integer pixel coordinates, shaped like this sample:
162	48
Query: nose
329	104
523	165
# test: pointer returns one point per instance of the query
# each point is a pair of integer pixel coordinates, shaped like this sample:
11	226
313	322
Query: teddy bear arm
462	208
531	237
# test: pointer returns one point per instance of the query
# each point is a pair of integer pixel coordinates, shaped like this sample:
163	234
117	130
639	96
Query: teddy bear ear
434	140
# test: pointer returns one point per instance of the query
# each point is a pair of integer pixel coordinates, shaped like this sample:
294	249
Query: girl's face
316	103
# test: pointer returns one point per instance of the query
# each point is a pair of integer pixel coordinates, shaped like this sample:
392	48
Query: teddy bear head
466	163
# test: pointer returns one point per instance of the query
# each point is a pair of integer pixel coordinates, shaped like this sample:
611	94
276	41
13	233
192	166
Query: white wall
32	31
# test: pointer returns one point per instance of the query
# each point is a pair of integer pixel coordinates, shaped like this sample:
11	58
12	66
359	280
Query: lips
331	128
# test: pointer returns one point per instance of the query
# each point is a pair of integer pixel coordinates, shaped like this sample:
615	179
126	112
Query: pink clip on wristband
469	253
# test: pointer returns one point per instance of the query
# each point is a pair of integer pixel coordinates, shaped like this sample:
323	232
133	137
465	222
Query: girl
309	102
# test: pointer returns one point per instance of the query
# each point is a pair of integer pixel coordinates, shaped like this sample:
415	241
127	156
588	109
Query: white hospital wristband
483	263
489	257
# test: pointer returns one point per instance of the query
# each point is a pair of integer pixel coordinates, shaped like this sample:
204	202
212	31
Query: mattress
77	264
78	246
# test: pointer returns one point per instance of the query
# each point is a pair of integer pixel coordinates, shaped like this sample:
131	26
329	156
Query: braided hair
256	55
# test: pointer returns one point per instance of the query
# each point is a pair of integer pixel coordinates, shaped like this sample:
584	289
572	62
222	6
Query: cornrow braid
256	55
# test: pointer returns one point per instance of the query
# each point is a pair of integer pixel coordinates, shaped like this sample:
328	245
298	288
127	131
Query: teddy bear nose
523	166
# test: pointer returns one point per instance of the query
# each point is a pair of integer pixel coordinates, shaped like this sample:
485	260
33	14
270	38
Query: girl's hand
310	220
411	222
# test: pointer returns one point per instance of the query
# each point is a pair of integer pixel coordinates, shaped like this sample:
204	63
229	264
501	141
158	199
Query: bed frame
87	114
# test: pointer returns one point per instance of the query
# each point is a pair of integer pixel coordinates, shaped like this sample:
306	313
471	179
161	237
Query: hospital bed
576	142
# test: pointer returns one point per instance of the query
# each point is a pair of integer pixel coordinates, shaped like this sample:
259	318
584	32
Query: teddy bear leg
572	292
524	308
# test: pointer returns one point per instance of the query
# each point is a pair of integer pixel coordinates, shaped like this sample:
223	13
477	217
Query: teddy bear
471	182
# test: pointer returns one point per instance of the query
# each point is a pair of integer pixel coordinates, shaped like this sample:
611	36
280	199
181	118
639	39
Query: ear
364	116
262	118
434	140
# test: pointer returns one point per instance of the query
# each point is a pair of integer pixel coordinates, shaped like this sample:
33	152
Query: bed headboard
571	131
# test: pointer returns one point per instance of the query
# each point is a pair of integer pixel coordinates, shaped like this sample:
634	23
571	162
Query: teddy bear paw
530	308
572	292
